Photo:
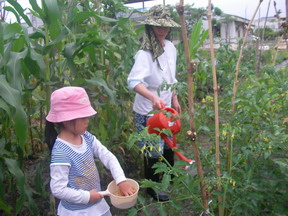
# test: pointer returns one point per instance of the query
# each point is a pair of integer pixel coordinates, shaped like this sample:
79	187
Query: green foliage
193	15
217	11
268	33
263	133
77	45
258	134
282	56
198	36
83	43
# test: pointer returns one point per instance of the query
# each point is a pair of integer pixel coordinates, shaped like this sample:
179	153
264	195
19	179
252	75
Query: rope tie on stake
192	135
180	9
216	89
193	65
206	212
209	15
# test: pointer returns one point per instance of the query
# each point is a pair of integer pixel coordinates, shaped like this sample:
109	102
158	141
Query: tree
192	15
217	11
269	34
216	27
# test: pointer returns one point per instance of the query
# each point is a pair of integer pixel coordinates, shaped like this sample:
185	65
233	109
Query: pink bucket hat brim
69	103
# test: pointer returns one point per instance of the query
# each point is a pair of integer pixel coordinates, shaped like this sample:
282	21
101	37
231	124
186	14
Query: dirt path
283	64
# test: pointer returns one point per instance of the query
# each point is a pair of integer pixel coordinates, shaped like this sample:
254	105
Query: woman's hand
95	196
126	189
157	103
175	102
176	106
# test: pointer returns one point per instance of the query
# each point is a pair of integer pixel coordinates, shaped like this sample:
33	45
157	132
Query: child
74	175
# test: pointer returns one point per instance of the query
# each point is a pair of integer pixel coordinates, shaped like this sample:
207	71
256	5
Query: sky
242	8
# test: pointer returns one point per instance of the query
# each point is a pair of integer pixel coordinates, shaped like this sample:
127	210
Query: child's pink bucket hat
69	103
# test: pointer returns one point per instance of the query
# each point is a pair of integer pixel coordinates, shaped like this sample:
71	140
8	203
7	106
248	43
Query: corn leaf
37	9
8	8
5	107
3	205
53	17
197	38
1	41
13	97
15	170
99	82
14	67
20	11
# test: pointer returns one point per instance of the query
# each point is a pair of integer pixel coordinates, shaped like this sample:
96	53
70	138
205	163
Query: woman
151	77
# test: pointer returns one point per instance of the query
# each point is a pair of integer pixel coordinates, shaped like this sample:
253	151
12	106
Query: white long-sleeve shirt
60	168
148	72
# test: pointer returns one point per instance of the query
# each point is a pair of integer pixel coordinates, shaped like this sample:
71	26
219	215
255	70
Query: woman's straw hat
159	16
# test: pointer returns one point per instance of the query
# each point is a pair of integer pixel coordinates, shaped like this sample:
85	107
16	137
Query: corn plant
74	46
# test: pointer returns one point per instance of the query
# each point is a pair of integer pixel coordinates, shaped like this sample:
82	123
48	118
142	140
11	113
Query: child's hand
126	189
95	196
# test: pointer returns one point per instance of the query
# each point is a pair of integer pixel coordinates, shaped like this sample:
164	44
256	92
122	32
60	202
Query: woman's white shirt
147	71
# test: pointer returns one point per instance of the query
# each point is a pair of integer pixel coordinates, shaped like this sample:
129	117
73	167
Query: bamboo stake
215	87
277	14
279	39
258	44
191	67
240	57
236	82
258	61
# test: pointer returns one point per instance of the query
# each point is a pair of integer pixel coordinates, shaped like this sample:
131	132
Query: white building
232	28
271	22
